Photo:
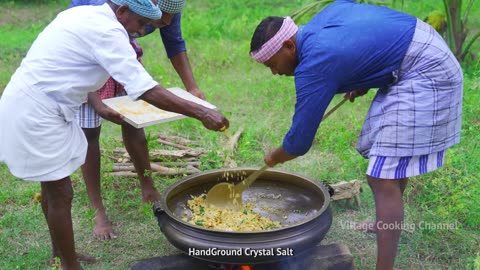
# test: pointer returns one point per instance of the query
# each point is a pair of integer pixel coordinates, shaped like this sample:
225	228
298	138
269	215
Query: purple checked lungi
411	124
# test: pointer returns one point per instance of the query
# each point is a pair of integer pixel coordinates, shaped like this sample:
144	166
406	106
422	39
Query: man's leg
369	226
136	145
91	174
56	205
389	217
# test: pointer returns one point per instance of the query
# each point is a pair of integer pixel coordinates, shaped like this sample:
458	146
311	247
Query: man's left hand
111	115
196	92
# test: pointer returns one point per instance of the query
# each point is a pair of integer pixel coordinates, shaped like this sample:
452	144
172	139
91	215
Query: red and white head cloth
273	45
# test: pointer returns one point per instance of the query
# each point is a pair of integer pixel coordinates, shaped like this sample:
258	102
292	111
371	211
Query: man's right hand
214	120
355	93
166	100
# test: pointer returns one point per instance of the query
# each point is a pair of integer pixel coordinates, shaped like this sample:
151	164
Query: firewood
122	164
233	140
347	191
162	169
123	174
176	145
179	163
126	166
173	171
230	149
118	168
194	152
176	139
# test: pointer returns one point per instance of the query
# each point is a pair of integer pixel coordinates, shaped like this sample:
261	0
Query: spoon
226	195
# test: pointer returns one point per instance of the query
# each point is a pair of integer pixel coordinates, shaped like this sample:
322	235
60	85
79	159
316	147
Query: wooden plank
141	114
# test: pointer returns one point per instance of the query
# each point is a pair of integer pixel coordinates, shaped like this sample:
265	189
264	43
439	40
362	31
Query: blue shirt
347	46
171	34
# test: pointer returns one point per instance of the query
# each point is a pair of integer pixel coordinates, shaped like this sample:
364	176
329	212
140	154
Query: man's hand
214	120
166	100
355	93
111	115
103	110
196	92
277	156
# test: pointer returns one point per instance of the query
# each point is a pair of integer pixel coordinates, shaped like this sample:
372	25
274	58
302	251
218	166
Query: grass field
218	36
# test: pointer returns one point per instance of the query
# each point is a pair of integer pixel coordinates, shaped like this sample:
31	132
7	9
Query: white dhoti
38	141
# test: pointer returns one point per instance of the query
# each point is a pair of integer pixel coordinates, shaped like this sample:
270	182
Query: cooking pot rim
163	200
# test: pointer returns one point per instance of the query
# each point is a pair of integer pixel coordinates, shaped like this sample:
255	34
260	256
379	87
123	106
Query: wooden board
141	114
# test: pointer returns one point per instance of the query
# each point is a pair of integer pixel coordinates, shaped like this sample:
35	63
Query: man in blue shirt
91	114
416	113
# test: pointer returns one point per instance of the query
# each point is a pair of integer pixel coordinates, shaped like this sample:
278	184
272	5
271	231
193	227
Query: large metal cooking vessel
299	203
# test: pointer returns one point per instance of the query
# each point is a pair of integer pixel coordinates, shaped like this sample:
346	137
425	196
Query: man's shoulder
90	20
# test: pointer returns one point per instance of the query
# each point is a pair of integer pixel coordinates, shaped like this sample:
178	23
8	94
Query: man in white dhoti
74	55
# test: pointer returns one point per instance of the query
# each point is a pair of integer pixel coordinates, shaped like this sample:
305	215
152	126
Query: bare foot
150	195
103	228
366	226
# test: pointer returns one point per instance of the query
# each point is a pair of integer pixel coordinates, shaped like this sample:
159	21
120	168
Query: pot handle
157	208
159	212
331	191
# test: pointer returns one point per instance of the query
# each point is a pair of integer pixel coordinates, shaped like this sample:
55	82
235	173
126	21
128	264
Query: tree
457	31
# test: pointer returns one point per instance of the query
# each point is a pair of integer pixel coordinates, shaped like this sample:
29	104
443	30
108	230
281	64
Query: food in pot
241	219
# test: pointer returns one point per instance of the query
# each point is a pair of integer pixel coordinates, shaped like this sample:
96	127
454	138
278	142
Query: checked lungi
411	124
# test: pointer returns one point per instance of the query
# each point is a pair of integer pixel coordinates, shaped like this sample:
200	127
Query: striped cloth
421	112
171	6
403	167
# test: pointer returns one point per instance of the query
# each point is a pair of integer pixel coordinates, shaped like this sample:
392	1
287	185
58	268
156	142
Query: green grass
218	35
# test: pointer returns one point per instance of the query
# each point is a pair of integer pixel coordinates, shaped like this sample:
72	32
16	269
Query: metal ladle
228	195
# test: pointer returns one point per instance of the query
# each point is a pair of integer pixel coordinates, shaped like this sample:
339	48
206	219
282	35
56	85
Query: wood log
123	164
230	147
123	174
164	170
176	139
233	140
347	190
179	163
173	171
127	168
176	145
193	152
